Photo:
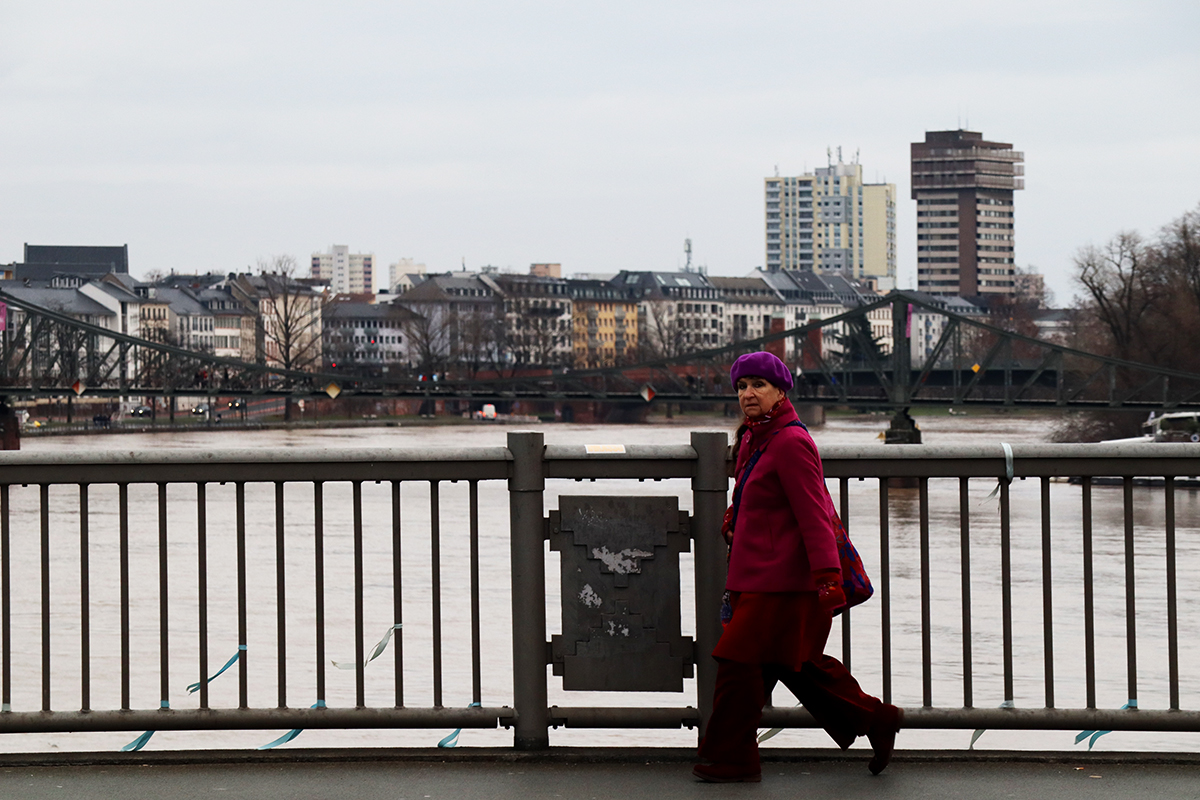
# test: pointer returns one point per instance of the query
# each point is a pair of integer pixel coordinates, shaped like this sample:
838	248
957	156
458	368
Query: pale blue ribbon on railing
1132	704
195	687
141	741
980	731
292	734
452	739
1008	472
375	653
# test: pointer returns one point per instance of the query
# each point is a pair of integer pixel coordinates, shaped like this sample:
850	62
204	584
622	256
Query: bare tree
426	339
478	340
1179	247
290	315
664	336
1142	303
1121	287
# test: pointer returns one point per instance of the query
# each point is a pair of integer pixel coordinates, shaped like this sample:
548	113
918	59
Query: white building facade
346	272
830	221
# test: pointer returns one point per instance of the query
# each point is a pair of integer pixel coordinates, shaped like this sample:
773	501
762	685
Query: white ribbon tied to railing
375	653
1008	472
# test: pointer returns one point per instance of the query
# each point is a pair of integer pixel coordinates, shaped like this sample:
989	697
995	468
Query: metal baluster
45	517
164	660
964	528
5	604
397	597
243	632
435	560
202	586
1006	586
123	544
1130	599
1089	606
319	583
85	622
885	593
476	672
280	598
1172	604
1047	596
844	496
360	651
926	636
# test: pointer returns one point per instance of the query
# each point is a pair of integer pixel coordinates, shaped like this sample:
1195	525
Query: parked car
142	412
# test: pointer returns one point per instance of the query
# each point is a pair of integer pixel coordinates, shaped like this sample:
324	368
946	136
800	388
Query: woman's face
757	395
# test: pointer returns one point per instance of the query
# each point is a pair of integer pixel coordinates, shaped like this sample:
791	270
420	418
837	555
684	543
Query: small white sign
593	449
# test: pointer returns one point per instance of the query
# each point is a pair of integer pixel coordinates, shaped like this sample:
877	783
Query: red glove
727	526
830	595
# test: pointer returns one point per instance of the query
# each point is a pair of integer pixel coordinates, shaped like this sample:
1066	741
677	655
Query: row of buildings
265	318
465	323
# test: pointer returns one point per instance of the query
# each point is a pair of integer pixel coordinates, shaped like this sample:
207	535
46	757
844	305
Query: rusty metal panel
620	594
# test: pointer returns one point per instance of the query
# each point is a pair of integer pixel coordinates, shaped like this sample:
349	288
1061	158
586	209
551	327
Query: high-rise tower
830	221
346	272
964	188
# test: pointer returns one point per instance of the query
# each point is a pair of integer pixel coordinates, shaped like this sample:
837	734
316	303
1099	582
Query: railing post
526	487
710	488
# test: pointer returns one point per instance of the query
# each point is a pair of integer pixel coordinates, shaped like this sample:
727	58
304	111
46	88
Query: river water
947	661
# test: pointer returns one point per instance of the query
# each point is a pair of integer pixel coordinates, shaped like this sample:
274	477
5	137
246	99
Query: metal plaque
620	594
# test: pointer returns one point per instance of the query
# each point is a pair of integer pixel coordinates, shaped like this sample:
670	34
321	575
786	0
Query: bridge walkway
591	774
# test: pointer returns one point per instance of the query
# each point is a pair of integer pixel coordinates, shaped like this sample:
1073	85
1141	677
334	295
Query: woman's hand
830	595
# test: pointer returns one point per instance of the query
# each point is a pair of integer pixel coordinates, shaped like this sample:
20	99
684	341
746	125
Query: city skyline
539	133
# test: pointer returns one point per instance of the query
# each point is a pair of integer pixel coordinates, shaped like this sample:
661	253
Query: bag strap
750	462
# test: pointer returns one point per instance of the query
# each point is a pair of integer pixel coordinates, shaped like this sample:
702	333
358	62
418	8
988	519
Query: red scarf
744	453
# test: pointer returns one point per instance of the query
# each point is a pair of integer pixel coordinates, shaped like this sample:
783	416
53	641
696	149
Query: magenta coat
784	528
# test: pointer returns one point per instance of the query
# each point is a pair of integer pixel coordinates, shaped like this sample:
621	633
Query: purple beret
763	365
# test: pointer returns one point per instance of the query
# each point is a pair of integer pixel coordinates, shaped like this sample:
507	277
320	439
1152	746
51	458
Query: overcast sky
599	135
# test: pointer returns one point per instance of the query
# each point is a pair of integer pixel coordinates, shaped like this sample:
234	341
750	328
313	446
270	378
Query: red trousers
822	685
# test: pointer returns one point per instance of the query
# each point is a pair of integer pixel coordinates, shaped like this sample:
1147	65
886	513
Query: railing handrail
244	455
576	461
988	459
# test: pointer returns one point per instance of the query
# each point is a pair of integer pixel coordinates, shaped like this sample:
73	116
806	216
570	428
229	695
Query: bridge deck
599	774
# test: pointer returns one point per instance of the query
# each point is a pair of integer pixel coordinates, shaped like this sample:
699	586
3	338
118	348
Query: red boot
882	736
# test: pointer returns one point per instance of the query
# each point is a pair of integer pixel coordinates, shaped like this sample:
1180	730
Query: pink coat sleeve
803	482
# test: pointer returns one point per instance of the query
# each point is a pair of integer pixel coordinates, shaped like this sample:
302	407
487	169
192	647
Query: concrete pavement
589	775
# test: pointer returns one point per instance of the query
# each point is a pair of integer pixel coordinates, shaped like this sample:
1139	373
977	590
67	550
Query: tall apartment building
830	221
964	188
347	273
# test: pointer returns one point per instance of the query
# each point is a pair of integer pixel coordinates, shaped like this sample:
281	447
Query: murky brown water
906	649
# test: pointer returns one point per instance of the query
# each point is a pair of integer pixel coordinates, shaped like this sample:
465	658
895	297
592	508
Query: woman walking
784	585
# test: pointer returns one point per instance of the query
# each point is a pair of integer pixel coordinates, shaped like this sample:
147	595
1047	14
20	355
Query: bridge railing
177	590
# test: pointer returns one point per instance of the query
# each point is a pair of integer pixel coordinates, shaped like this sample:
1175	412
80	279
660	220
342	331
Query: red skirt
787	628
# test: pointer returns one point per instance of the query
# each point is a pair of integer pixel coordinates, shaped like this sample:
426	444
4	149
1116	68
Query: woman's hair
738	434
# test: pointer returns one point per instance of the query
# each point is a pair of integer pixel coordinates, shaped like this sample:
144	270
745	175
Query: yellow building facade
605	325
